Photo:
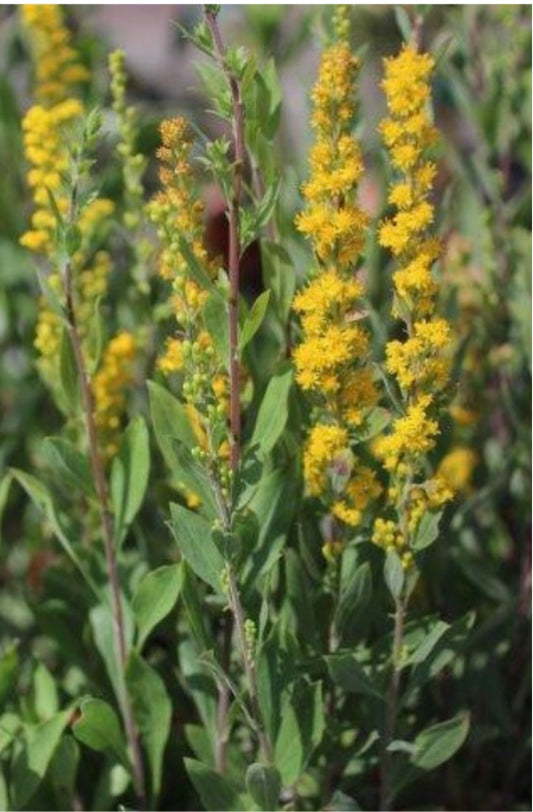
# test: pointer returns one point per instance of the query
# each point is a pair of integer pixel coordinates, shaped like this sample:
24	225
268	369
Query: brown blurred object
39	563
217	244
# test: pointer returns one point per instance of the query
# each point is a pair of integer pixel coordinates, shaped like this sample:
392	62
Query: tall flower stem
107	524
234	253
234	256
392	704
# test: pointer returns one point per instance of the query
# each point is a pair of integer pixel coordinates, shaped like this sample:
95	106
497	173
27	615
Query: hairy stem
106	519
392	705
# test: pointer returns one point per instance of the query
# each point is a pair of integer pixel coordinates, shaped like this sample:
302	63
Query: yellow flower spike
331	361
109	388
420	362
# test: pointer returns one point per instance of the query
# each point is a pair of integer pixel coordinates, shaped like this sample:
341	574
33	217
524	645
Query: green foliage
259	664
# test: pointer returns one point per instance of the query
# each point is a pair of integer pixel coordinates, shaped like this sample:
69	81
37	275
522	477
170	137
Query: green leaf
45	699
68	375
215	315
99	728
193	536
64	459
154	598
153	712
194	609
264	785
279	276
438	743
347	671
340	802
442	653
73	238
427	531
254	319
301	730
9	671
355	595
170	422
428	643
393	573
375	422
216	792
32	760
40	495
195	269
64	770
129	476
403	22
4	797
273	412
103	628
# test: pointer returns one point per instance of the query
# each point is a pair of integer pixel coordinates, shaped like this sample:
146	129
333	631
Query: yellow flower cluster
331	361
48	127
420	363
457	468
56	62
179	216
109	386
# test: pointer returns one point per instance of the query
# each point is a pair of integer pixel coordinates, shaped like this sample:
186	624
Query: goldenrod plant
265	368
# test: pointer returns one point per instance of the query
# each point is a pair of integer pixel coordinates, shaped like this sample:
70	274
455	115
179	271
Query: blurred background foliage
482	562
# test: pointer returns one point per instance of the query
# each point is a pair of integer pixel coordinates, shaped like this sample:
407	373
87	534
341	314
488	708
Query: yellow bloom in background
420	362
331	361
48	129
109	387
457	468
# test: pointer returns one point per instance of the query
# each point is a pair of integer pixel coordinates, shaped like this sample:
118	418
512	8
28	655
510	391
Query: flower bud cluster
190	353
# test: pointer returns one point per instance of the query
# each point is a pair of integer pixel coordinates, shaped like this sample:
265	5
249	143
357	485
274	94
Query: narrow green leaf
216	792
129	476
153	712
40	495
193	536
103	629
32	760
45	698
355	595
264	785
170	422
273	412
64	770
438	743
69	464
9	670
348	672
393	573
68	375
194	609
280	277
301	730
154	598
427	531
428	643
99	728
254	319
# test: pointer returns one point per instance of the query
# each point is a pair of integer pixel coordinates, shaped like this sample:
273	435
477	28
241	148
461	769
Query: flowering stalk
64	224
99	478
420	361
234	258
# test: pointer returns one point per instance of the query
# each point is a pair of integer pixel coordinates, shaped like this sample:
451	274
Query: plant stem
234	253
392	705
249	664
106	519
